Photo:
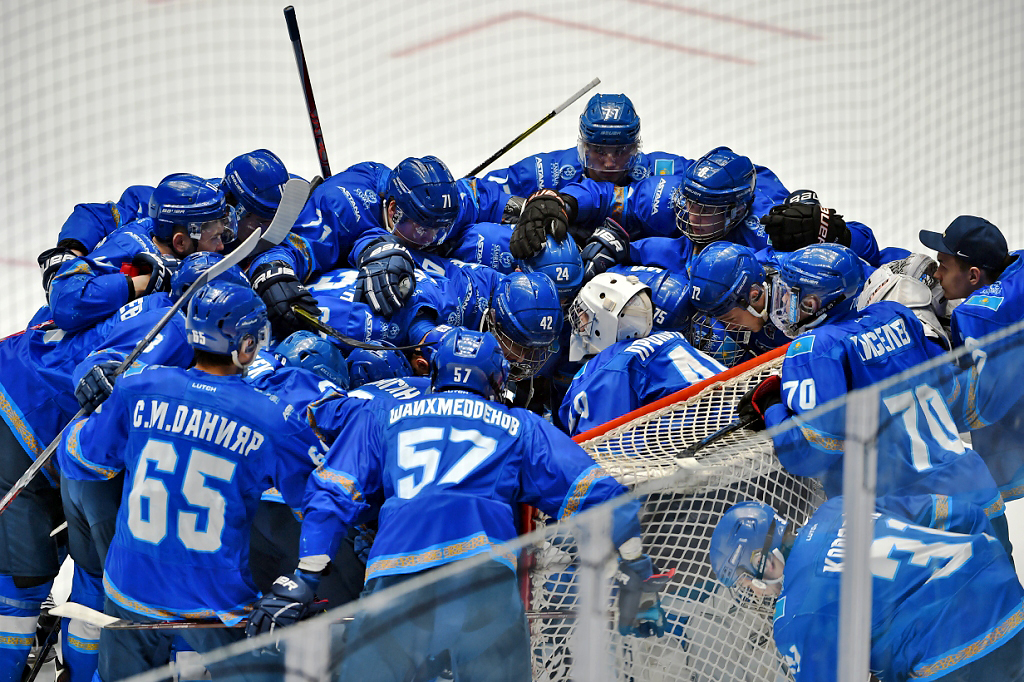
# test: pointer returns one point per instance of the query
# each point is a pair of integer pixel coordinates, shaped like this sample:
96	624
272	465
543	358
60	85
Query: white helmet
888	283
609	308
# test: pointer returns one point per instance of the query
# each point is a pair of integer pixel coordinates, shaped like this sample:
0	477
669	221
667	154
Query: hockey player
195	467
976	265
608	150
449	507
838	350
186	214
625	368
954	618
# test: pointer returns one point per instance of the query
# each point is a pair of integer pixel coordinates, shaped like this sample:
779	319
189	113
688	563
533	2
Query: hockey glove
794	226
386	278
545	212
97	385
640	612
513	210
51	260
160	269
608	246
363	542
755	402
276	284
290	600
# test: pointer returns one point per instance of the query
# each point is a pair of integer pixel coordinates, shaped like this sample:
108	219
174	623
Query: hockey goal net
714	633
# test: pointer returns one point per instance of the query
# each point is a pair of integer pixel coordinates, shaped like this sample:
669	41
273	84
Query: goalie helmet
609	144
670	295
186	200
194	265
526	318
813	283
366	366
253	183
722	276
742	541
888	283
222	316
470	361
609	308
309	351
718	190
561	261
426	201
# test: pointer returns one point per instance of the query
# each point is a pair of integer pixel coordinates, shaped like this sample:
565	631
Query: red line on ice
759	25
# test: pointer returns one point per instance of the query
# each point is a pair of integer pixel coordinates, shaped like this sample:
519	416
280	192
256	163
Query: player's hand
276	284
640	612
386	279
290	600
97	385
545	212
50	262
755	402
363	542
794	226
513	210
608	246
160	269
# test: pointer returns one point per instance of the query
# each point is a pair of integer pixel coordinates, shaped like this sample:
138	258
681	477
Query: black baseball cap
973	239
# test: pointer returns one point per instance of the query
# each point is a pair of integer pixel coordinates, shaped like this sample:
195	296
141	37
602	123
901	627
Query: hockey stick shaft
322	327
292	200
718	435
522	136
307	90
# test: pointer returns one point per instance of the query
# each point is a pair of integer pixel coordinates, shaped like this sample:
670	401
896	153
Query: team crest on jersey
455	319
392	330
805	344
640	173
566	172
990	302
367	196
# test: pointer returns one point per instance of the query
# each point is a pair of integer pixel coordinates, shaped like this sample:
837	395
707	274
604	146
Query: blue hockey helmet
189	201
310	351
561	261
469	360
721	278
813	283
718	190
670	295
609	144
743	539
426	201
526	317
195	264
223	315
366	366
253	183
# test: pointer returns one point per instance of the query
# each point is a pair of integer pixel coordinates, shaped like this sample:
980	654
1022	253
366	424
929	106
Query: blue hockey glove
545	212
97	385
363	542
290	600
608	246
640	612
160	269
51	260
276	284
755	402
386	278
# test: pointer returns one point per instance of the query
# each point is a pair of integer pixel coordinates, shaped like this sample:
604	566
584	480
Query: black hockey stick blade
522	136
292	200
718	435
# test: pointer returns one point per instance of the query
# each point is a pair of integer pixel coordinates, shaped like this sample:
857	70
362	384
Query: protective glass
608	163
221	231
416	234
787	311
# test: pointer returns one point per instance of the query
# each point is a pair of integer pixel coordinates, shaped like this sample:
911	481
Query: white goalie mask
609	308
887	283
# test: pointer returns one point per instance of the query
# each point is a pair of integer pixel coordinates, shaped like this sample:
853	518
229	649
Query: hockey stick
554	112
307	90
292	200
322	327
48	643
692	450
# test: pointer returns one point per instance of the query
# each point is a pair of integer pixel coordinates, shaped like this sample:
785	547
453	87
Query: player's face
704	220
214	235
408	230
771	584
957	281
250	223
608	163
741	319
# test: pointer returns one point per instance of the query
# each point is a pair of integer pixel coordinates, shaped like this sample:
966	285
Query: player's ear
182	244
247	350
420	366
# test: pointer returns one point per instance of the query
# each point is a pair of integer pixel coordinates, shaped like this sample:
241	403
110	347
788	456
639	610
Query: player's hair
991	273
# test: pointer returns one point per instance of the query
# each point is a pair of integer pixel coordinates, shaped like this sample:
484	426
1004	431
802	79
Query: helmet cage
609	308
524	361
717	340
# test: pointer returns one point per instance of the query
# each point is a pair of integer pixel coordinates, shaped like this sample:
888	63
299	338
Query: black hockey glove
51	260
290	600
640	612
513	210
160	269
608	246
386	278
97	385
545	212
276	284
794	226
755	402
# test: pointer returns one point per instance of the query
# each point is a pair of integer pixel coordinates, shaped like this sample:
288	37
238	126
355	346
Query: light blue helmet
189	201
526	317
609	143
310	351
813	283
223	315
366	366
743	539
253	183
561	261
426	200
194	265
470	361
721	277
718	190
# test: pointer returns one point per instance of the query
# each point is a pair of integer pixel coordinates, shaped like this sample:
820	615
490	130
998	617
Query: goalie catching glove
640	612
608	246
796	225
545	212
755	402
386	278
290	600
276	284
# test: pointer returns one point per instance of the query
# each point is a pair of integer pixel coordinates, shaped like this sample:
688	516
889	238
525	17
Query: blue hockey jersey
91	223
939	599
632	373
450	466
919	448
195	467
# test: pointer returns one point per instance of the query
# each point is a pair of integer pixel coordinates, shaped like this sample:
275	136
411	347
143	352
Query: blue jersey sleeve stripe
74	449
471	545
973	650
19	426
578	492
339	479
